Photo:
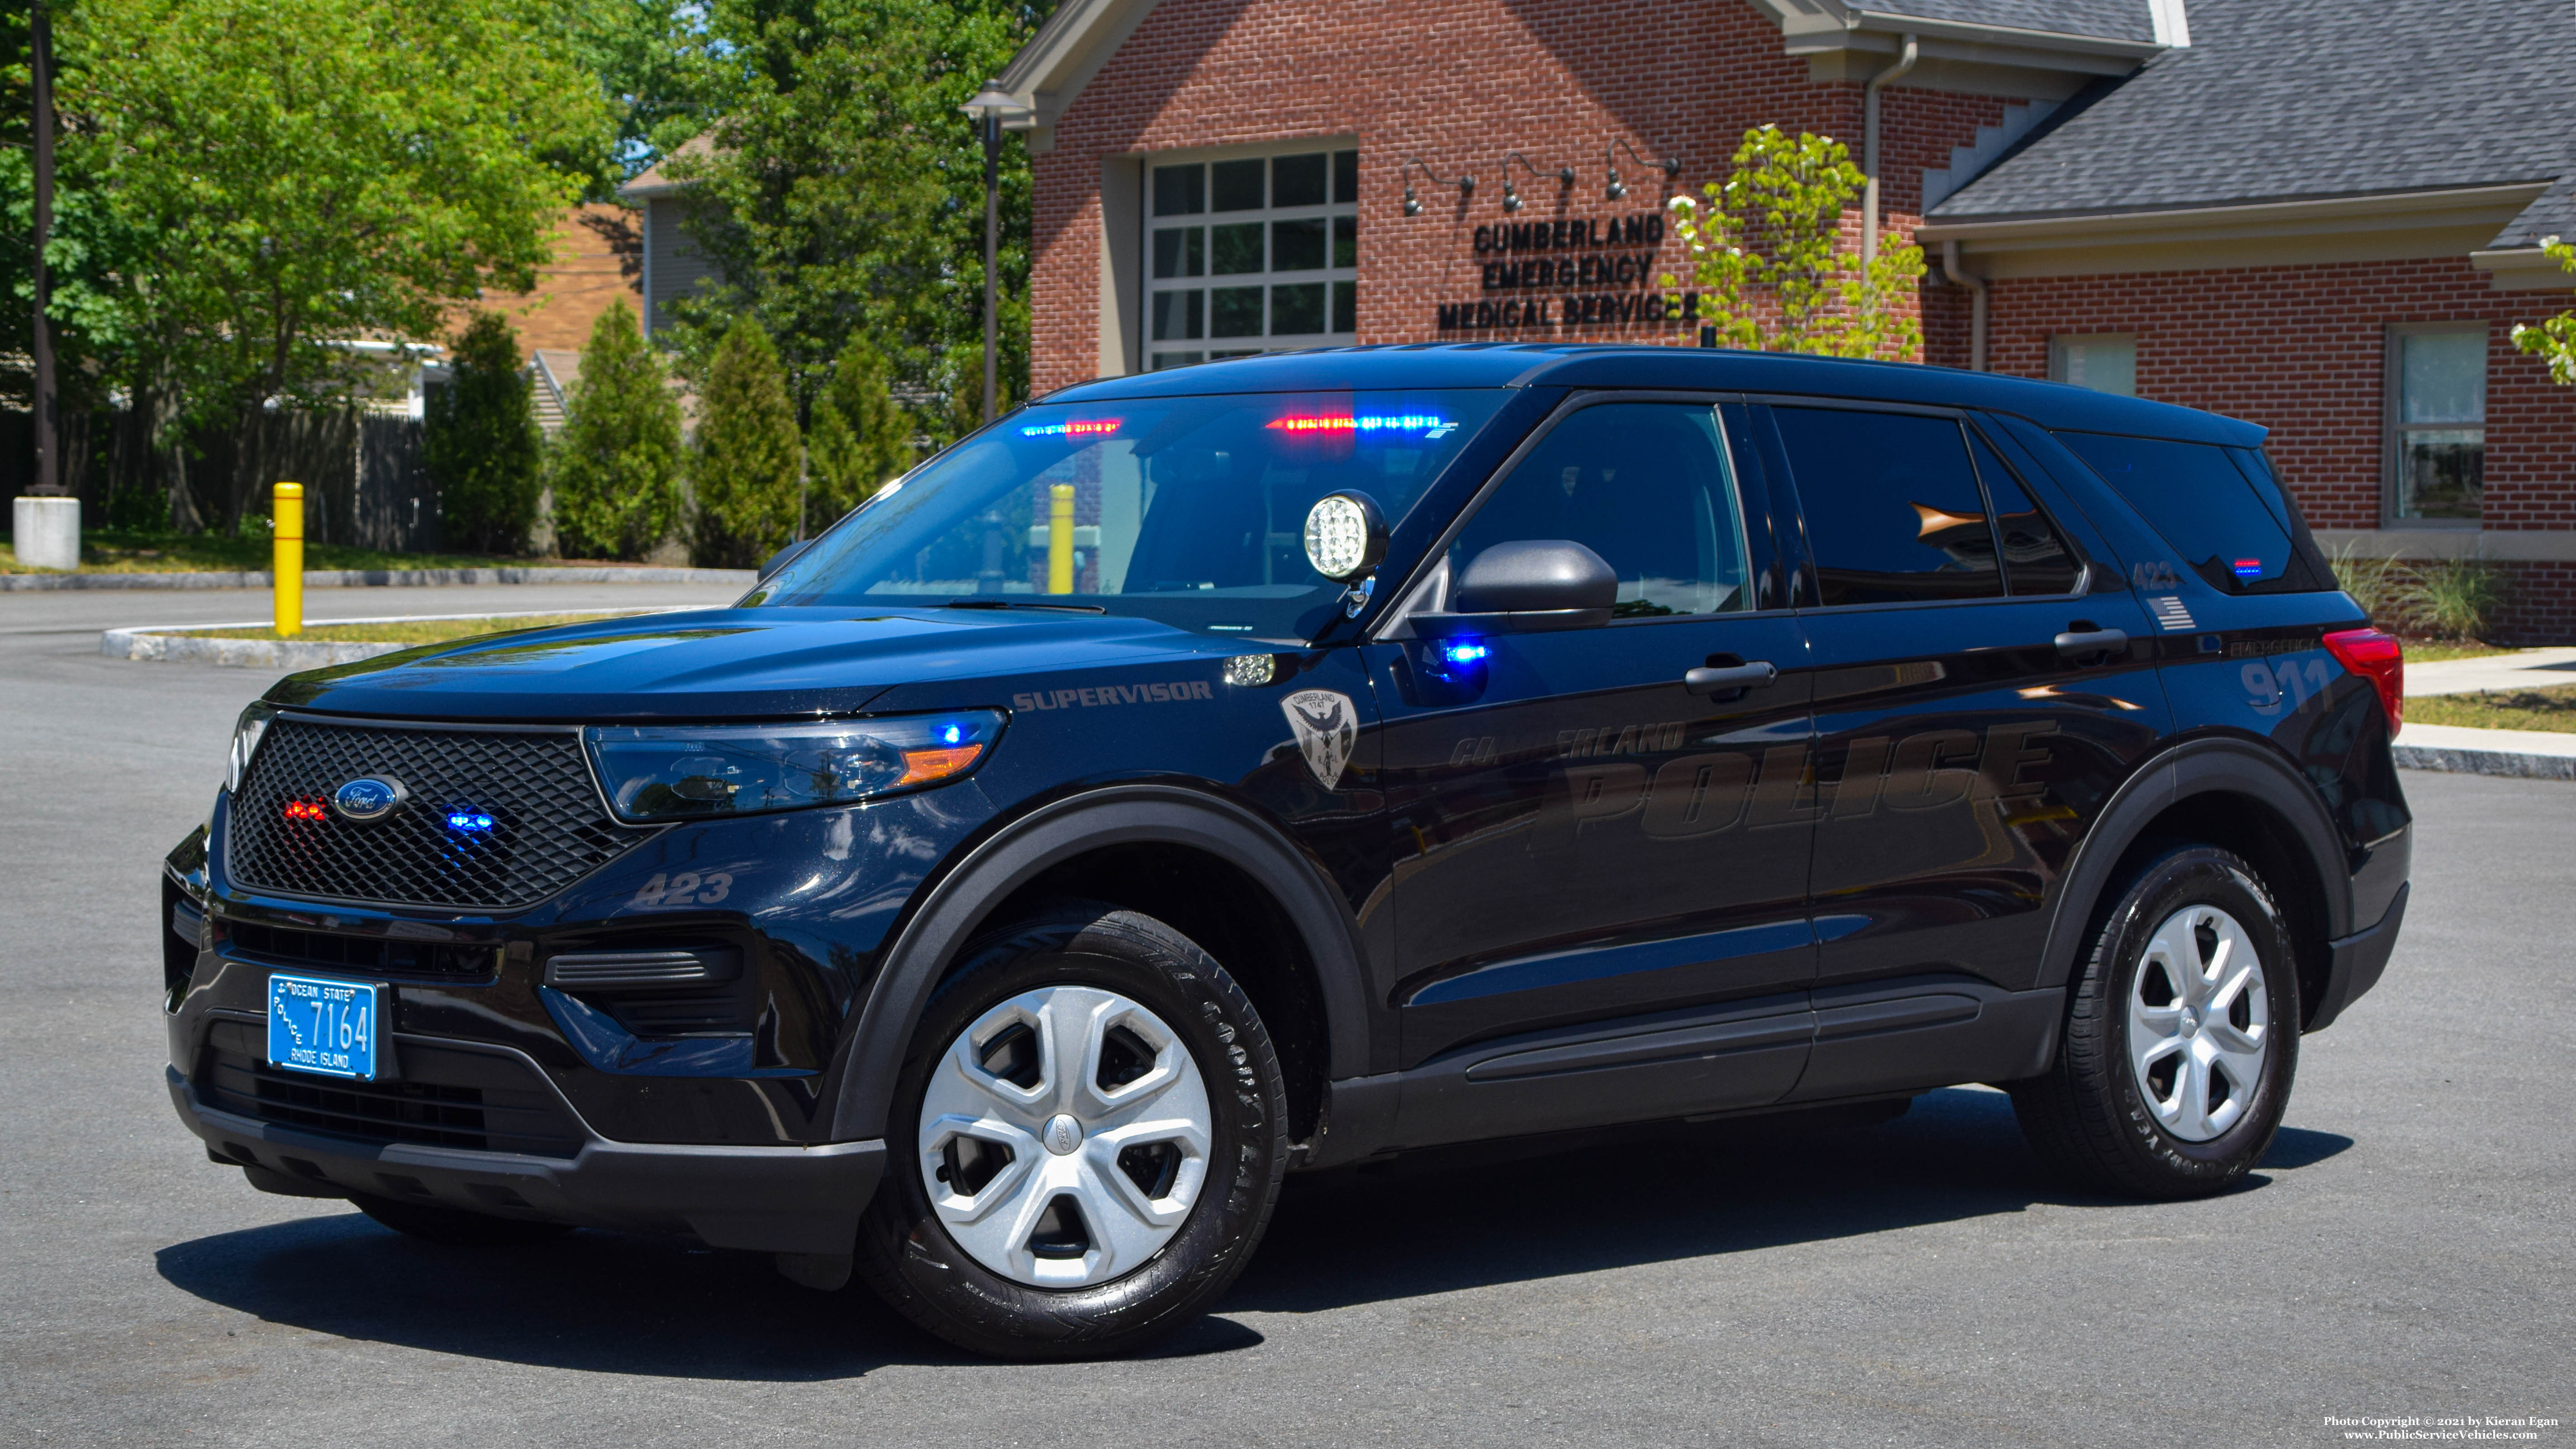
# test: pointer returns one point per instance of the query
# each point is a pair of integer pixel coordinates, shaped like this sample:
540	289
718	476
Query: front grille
446	1098
363	954
548	826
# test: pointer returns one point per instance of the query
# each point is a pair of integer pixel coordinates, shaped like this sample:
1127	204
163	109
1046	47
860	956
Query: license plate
328	1028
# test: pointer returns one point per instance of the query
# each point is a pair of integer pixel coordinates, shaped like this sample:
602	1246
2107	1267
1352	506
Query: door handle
1734	676
2091	641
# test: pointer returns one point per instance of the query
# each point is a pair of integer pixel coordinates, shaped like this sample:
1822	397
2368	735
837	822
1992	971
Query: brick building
2319	216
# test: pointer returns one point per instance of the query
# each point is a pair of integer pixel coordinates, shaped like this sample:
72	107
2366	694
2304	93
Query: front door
1962	750
1582	838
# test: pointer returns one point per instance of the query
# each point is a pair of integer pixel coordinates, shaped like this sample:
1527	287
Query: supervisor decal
1179	691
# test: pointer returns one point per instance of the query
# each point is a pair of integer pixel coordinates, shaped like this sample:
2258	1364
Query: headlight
679	772
246	732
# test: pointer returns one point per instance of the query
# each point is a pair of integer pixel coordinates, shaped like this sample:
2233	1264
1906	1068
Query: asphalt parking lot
2405	1251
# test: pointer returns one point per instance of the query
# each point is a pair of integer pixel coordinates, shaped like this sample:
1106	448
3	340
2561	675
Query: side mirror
1527	587
783	558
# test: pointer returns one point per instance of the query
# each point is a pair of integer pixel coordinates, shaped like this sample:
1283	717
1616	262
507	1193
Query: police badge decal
1327	724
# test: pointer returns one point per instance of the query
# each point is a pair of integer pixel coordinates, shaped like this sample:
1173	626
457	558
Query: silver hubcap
1064	1136
2199	1023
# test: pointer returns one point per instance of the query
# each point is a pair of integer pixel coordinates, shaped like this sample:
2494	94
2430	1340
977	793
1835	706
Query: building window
1253	254
2102	361
2437	416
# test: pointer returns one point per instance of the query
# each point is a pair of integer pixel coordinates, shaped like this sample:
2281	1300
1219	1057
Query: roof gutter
1869	146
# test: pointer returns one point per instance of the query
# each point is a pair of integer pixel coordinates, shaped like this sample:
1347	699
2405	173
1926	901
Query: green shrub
2377	584
746	462
2455	598
481	443
860	437
615	466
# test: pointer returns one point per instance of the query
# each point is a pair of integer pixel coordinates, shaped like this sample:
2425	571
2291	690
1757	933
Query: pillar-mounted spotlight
1670	166
1512	194
1465	183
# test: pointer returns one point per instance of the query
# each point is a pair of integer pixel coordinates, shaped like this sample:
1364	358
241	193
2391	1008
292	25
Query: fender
924	947
2194	767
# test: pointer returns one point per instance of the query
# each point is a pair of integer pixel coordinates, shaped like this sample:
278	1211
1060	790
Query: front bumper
767	1199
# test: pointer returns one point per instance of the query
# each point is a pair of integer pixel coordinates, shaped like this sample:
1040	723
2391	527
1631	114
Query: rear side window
2220	508
1893	511
2036	558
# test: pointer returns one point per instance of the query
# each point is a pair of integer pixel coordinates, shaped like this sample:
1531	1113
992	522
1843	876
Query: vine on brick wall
1773	271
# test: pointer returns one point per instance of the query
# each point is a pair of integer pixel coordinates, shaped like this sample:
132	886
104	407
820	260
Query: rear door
1583	841
1976	703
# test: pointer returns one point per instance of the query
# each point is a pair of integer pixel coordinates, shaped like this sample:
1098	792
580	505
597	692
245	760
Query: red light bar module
1076	428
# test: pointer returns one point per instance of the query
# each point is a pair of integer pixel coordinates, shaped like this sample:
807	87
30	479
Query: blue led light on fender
953	735
1463	652
473	822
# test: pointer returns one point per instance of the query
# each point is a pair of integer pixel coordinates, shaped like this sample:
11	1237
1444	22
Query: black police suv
1289	761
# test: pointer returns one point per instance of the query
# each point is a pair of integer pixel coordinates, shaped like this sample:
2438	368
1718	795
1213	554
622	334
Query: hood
727	663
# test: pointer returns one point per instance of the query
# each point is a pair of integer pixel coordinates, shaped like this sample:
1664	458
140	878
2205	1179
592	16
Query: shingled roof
2281	100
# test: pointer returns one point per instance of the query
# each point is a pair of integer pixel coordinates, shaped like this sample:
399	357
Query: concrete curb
2485	762
172	644
381	578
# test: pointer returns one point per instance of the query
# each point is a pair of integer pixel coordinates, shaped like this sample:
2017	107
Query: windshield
1190	511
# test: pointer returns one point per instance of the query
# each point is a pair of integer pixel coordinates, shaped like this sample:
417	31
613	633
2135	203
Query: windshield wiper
1021	604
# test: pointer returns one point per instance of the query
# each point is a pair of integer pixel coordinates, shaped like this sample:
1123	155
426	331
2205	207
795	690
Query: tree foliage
746	463
481	444
844	191
1773	271
287	177
860	437
615	467
2553	340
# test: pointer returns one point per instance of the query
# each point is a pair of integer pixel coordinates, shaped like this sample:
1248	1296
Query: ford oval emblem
367	798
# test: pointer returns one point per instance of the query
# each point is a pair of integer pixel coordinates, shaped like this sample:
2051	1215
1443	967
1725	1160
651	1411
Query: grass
2429	651
2552	708
414	631
110	551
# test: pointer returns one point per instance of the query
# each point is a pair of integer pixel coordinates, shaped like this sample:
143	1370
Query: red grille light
2380	659
303	809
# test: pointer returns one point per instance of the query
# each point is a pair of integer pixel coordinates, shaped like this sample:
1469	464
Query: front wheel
2182	1035
1090	1132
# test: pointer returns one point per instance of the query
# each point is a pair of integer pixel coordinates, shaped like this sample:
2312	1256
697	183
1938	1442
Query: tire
2120	1110
1021	1275
456	1227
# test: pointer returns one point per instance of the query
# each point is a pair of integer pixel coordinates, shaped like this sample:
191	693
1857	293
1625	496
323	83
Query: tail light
2380	659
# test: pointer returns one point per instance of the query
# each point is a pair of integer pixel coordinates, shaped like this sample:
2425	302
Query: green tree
2554	339
859	438
1773	273
615	466
746	465
844	191
296	176
481	443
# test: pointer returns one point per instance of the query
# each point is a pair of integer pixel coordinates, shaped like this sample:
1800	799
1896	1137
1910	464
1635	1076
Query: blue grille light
953	735
1463	652
470	821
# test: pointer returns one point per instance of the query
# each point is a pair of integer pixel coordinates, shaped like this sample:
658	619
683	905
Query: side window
1892	506
2229	523
2036	558
1644	485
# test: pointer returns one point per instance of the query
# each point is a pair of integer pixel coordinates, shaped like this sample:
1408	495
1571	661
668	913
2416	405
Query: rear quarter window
2220	508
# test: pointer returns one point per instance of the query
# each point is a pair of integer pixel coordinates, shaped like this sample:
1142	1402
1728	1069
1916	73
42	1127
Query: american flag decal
2171	616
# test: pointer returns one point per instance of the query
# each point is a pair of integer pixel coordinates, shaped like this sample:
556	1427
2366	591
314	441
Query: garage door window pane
1234	312
1287	276
1238	185
1297	180
1893	510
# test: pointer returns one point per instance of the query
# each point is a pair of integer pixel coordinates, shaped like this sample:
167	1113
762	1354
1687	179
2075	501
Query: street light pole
41	64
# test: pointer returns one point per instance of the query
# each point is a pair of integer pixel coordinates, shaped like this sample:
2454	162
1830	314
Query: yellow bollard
288	562
1060	539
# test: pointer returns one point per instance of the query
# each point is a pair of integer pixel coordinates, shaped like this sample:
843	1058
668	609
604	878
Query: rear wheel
2181	1035
1089	1137
454	1226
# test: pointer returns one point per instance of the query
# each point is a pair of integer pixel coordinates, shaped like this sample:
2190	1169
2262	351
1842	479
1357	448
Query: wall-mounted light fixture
1670	166
1512	194
1466	183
